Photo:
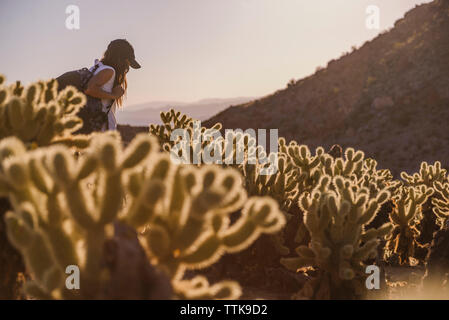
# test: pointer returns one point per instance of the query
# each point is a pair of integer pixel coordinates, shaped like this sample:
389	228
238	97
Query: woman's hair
114	58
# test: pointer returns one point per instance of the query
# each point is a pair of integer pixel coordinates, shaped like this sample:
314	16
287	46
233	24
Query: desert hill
389	98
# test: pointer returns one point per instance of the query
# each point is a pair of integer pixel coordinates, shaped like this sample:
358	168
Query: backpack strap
109	107
95	68
87	75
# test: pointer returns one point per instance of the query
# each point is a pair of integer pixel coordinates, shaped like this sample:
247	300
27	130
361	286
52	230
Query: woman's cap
127	51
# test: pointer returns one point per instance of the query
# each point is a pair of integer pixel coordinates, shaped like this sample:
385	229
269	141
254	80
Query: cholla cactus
199	288
191	229
244	156
437	263
57	214
441	206
172	121
39	115
335	214
307	166
405	216
299	171
428	176
71	211
281	185
352	165
238	150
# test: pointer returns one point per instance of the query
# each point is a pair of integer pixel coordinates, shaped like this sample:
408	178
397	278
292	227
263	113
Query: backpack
92	114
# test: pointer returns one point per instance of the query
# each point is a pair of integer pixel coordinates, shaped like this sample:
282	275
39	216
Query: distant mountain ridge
144	114
389	98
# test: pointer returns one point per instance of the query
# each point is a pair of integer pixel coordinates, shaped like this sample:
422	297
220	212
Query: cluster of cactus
244	155
299	173
39	115
437	259
437	264
309	169
12	268
405	217
417	207
171	121
432	213
336	212
280	184
428	175
59	220
441	203
111	210
238	150
352	164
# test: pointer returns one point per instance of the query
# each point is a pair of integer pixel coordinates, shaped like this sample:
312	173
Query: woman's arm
94	87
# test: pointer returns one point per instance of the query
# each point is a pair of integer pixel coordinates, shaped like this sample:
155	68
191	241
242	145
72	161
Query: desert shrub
244	156
405	217
291	83
437	264
299	172
327	214
39	115
441	204
415	208
432	215
335	214
111	210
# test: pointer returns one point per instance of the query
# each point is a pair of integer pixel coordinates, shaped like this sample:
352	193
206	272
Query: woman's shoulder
101	66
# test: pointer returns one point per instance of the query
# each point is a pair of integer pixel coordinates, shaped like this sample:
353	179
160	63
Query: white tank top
112	122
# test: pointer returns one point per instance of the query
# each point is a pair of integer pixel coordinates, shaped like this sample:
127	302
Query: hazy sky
189	49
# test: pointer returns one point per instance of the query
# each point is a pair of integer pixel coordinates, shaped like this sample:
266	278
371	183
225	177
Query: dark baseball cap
126	50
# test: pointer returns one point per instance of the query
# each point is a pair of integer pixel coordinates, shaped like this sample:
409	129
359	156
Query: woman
109	80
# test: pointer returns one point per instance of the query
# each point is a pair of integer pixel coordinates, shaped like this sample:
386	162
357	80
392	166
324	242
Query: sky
189	49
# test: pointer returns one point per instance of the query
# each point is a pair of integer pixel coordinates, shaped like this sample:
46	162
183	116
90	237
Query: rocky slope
389	98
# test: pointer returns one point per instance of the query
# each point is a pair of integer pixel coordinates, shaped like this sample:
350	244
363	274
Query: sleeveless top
112	122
